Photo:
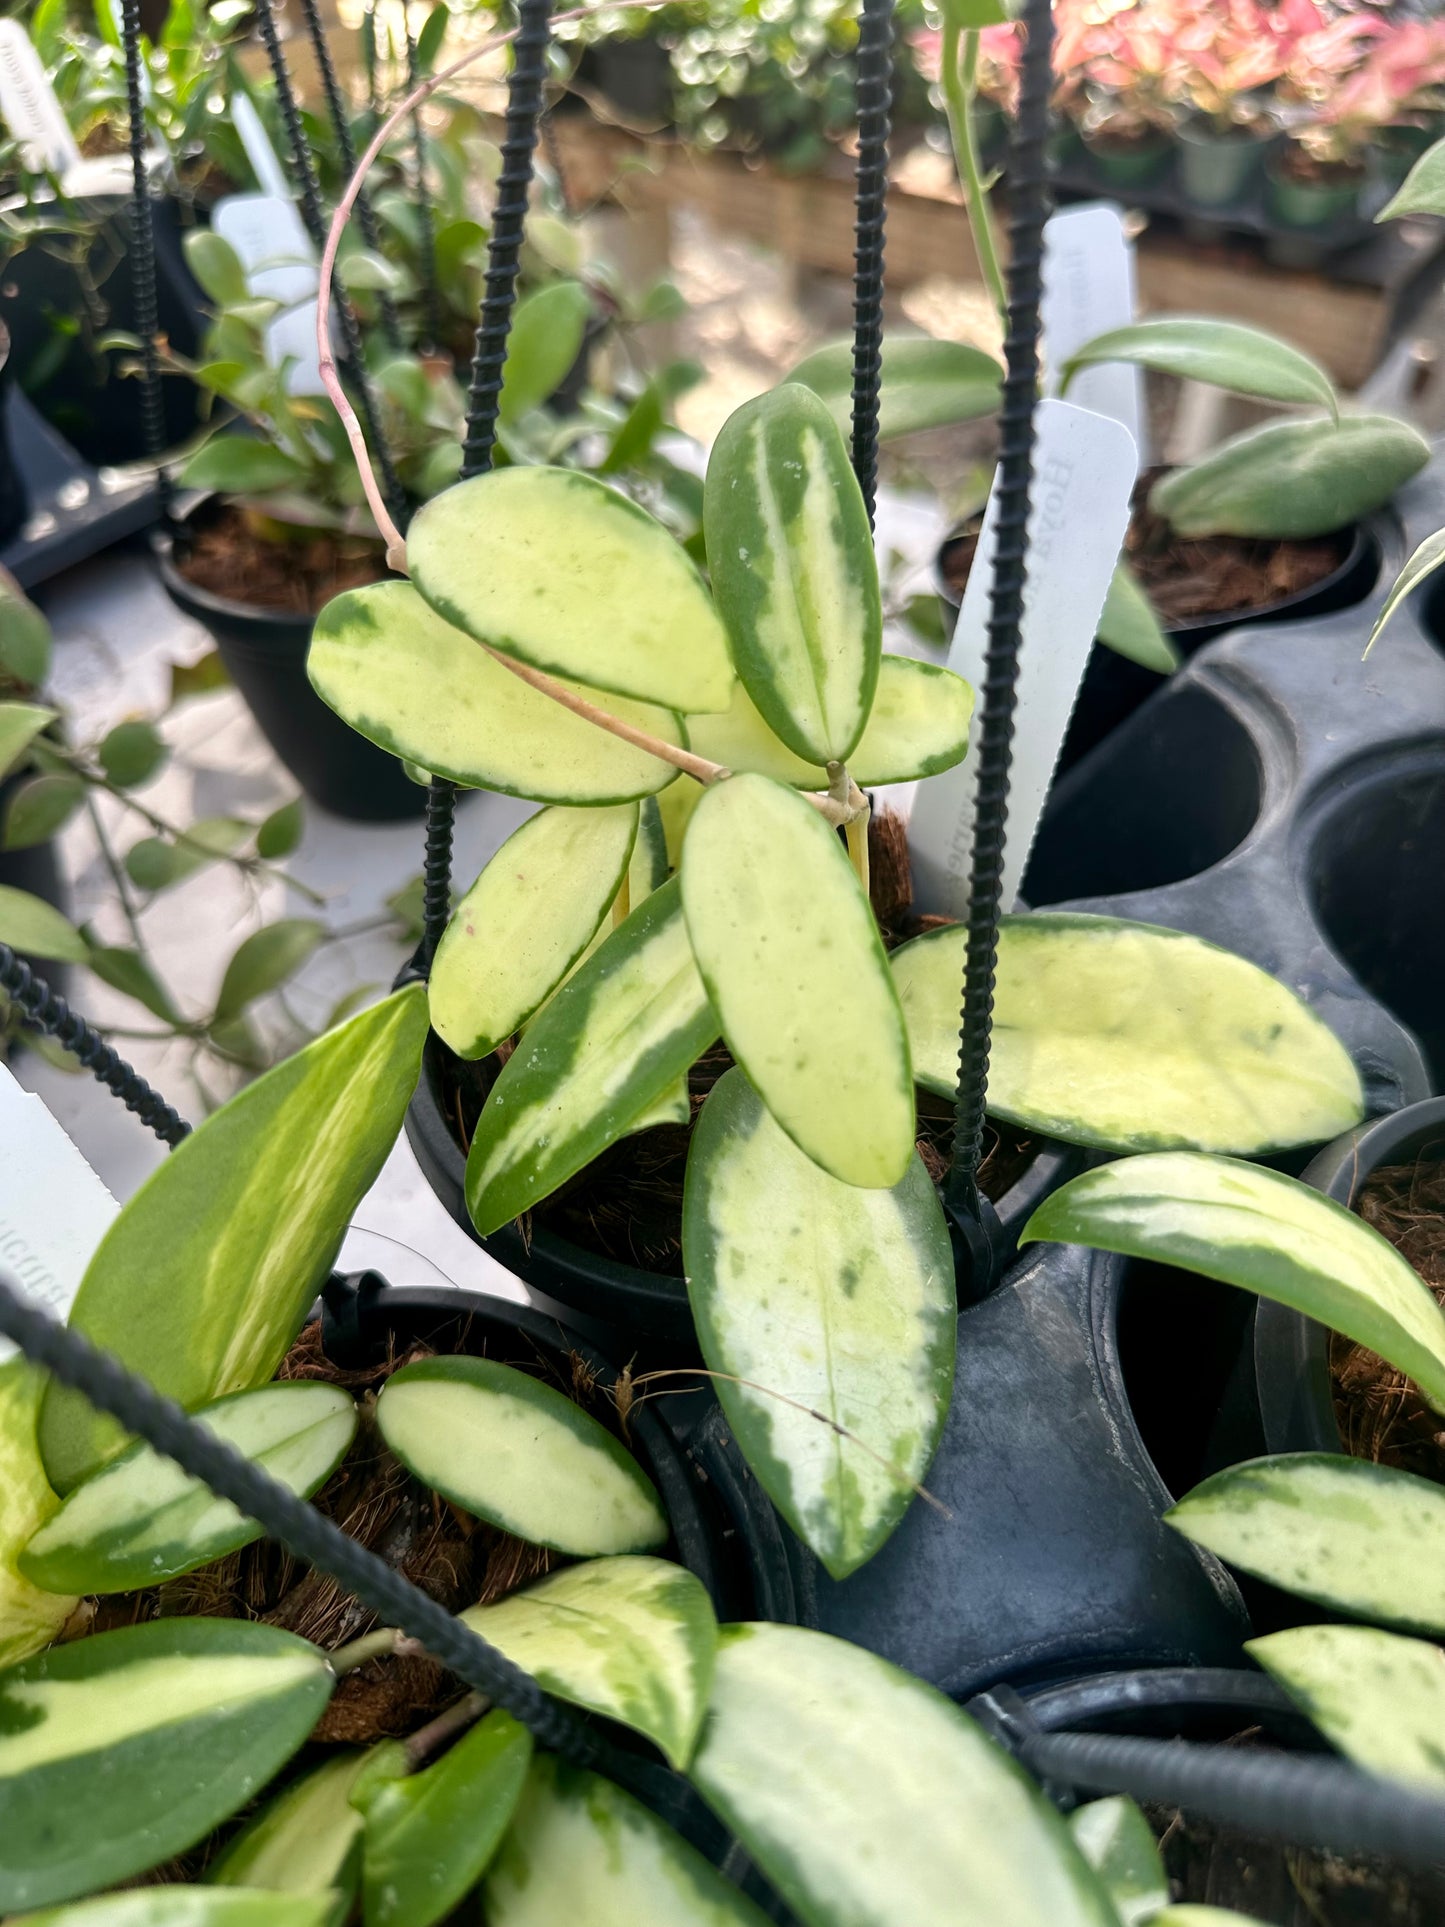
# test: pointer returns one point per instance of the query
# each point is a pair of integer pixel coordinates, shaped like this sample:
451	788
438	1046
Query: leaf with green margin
119	1751
648	866
1118	1843
40	807
918	725
1423	189
837	1300
36	929
264	961
1264	1232
1247	361
525	921
305	1839
544	340
832	1767
141	1520
1290	480
790	953
20	724
1365	1540
204	1279
614	1039
790	554
583	1850
1129	626
1088	1046
618	605
412	684
926	383
630	1638
191	1907
29	1618
1378	1697
521	1455
1421	565
430	1838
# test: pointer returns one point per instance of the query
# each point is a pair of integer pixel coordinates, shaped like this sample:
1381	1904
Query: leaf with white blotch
926	383
35	928
631	1638
618	604
837	1300
305	1839
20	724
1378	1697
415	685
118	1751
29	1617
141	1519
1292	479
793	573
918	725
1421	565
204	1279
525	921
1118	1843
1130	1037
1247	361
791	956
544	340
610	1044
192	1907
1129	626
430	1837
1264	1232
1423	189
833	1768
516	1452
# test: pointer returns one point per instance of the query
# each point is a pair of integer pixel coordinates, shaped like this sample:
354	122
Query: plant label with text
29	107
1089	288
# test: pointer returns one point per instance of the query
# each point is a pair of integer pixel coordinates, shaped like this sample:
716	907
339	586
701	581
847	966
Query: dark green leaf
546	337
237	465
266	959
130	973
132	753
40	807
24	640
279	835
429	40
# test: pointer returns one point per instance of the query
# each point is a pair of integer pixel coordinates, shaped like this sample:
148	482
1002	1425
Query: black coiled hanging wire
875	72
143	259
1028	211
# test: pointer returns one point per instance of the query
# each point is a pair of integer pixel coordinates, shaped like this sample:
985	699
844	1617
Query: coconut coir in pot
297	575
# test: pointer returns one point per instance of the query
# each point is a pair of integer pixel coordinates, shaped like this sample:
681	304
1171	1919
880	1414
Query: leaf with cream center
1378	1697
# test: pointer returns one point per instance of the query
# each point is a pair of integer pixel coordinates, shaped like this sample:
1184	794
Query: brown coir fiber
296	573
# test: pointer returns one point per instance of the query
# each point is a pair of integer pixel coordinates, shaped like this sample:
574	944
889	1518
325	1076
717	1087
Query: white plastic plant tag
29	106
265	162
1084	470
1089	287
54	1210
273	247
291	338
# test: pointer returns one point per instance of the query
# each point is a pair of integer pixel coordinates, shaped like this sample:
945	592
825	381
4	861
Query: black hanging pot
14	500
264	651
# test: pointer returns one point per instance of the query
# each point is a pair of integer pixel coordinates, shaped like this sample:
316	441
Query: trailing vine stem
960	87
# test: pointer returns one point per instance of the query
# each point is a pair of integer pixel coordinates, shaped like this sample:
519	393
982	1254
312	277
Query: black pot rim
1156	1700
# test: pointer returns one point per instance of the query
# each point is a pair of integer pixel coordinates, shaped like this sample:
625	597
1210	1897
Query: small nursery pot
1137	161
1308	205
1217	169
264	651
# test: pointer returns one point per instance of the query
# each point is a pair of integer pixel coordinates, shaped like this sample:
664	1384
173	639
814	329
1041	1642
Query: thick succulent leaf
617	603
1225	353
838	1300
1133	1038
429	1838
191	1907
1365	1540
518	1453
918	725
525	922
1423	189
1292	479
118	1751
1129	626
833	1768
415	685
1118	1843
1421	565
1378	1697
20	724
792	960
926	383
205	1277
582	1850
305	1840
1265	1233
29	1617
141	1519
544	340
790	554
614	1039
631	1638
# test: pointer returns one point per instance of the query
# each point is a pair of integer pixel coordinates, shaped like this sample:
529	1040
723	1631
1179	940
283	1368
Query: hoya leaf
306	1839
1189	1915
1247	361
790	554
1129	626
1118	1843
1264	1232
583	1850
35	928
519	1454
833	1768
361	271
281	832
414	685
191	1907
118	1751
614	1039
829	1312
1423	189
40	807
237	465
29	1617
25	642
217	266
797	974
429	1838
130	973
525	922
1421	565
20	724
926	383
615	602
631	1638
132	752
141	1520
545	339
673	1107
264	961
1362	1539
1292	479
1088	1048
648	866
155	864
205	1277
1378	1697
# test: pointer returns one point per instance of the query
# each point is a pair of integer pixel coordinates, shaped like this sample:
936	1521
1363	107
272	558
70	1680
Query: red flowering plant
1399	80
1227	55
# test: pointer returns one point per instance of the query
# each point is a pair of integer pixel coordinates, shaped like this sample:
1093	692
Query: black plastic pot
14	496
1174	1702
264	651
633	73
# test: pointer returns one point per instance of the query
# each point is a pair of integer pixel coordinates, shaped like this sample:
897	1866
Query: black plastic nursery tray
75	510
